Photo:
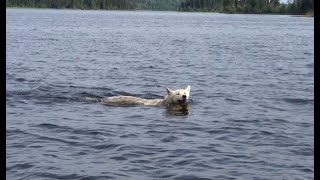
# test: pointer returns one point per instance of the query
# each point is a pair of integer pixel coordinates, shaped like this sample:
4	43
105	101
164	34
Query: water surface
252	104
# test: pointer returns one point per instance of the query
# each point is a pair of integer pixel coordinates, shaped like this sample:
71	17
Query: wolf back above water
173	97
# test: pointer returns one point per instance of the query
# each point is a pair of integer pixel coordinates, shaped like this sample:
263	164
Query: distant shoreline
308	14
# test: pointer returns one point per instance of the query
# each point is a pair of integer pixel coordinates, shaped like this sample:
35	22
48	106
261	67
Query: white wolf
173	97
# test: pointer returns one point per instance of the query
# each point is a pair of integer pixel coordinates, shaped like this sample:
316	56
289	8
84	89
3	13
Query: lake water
252	95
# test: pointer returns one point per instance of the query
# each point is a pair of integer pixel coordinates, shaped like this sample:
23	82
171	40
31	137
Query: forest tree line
222	6
249	6
98	4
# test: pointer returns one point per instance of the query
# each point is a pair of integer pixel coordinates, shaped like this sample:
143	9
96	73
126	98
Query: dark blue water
252	104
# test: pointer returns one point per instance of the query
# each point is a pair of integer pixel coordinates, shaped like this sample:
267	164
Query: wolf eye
178	94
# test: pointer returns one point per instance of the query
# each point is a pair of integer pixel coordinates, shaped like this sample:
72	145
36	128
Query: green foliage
282	9
248	6
229	9
76	4
223	6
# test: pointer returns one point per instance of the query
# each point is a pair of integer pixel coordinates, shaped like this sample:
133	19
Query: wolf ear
169	90
188	88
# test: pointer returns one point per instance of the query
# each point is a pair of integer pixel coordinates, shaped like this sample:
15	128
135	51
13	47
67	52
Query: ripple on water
298	101
22	166
192	177
169	139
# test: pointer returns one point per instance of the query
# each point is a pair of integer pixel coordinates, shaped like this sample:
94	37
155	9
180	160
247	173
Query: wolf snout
184	97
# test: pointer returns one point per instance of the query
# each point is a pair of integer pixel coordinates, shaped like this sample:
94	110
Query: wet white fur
172	97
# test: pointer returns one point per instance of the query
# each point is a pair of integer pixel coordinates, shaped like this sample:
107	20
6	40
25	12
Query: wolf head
179	96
